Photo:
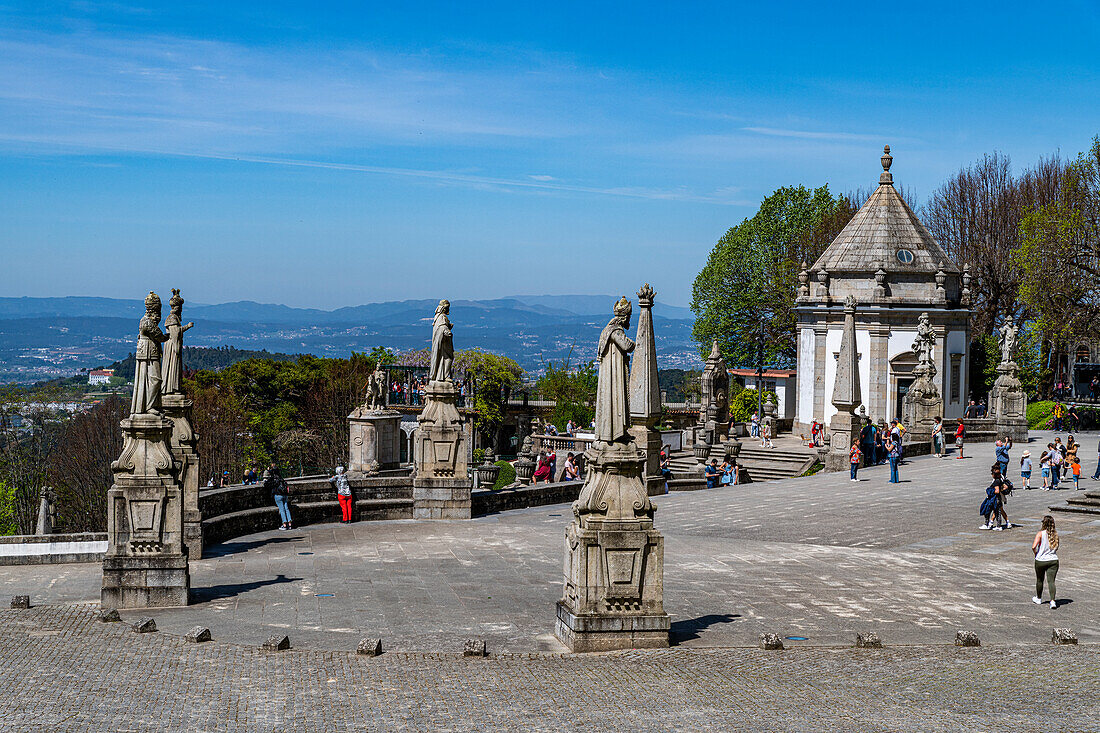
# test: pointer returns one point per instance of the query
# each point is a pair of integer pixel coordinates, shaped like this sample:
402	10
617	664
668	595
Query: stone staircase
1087	502
756	463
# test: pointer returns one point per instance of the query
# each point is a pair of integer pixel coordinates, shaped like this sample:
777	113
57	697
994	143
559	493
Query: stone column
645	396
878	390
821	331
183	443
145	565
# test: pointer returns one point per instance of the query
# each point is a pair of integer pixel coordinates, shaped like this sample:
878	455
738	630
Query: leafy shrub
744	403
479	456
1039	414
507	475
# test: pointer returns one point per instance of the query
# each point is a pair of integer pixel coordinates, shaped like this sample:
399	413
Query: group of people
720	475
546	467
1058	462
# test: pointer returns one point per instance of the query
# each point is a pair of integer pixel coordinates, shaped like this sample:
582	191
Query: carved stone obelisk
1007	399
184	442
441	488
145	565
645	394
374	432
847	395
614	558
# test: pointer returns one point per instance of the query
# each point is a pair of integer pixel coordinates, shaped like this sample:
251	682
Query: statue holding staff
172	361
1006	335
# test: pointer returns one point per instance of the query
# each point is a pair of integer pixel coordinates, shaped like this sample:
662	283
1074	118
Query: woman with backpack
280	492
343	494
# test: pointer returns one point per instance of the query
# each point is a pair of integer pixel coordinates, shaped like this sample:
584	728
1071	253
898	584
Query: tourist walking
343	494
893	454
1059	415
937	437
1045	549
960	433
853	457
766	435
1056	461
1044	468
754	430
1025	469
1000	450
280	492
1070	454
1075	467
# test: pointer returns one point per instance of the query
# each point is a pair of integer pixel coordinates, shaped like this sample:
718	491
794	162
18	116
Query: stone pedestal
145	565
614	559
184	444
374	440
441	488
923	404
1008	404
843	429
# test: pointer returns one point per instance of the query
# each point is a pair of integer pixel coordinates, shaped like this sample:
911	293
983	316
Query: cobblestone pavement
64	671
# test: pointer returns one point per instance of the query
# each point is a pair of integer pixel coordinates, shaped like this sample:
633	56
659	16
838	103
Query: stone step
1076	509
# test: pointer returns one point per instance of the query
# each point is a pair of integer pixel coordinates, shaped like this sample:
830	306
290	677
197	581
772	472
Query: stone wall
238	510
490	502
52	548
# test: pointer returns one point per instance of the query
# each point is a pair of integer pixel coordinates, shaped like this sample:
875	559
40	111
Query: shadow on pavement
229	590
689	629
232	548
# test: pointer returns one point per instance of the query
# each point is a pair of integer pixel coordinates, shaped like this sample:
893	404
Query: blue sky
329	154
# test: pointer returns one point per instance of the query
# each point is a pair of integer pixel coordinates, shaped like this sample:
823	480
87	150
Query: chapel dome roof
885	235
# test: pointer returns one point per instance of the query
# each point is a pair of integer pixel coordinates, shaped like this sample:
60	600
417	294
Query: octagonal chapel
896	270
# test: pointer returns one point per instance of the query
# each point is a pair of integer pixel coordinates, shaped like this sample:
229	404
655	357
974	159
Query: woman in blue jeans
893	453
280	492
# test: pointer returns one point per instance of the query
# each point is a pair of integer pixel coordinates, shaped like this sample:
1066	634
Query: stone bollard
869	640
144	625
369	647
967	638
474	648
109	615
1063	636
771	641
20	601
197	635
276	644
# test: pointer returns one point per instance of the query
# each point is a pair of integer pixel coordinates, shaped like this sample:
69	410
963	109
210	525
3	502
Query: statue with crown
614	558
145	565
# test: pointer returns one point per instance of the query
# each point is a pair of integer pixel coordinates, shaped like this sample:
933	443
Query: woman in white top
1045	548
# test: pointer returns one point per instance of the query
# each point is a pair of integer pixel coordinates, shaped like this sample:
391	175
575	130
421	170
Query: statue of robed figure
172	361
443	350
612	395
147	378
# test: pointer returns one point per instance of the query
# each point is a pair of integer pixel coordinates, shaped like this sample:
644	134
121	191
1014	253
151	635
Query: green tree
573	390
492	379
751	274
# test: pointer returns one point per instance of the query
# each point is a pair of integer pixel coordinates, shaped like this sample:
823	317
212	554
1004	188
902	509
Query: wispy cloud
810	134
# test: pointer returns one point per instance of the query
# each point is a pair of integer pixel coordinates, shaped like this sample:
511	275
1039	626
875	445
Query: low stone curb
474	648
870	640
197	635
369	647
20	601
144	625
276	644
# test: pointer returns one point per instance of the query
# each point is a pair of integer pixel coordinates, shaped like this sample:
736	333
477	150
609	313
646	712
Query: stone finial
847	394
965	295
804	281
822	284
941	291
645	296
887	159
880	283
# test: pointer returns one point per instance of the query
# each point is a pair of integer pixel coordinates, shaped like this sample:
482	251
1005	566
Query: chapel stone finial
886	160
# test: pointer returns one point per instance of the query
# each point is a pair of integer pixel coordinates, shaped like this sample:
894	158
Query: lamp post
760	375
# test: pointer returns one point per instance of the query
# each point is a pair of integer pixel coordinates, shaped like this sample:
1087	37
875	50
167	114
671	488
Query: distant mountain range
42	338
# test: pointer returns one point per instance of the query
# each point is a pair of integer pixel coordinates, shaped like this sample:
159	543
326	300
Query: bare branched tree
80	472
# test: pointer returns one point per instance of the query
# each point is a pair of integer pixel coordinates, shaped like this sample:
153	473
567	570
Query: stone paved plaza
819	557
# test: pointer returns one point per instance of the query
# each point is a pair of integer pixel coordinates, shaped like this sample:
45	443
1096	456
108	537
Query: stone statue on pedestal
1007	399
376	389
374	432
441	489
145	565
614	558
923	402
